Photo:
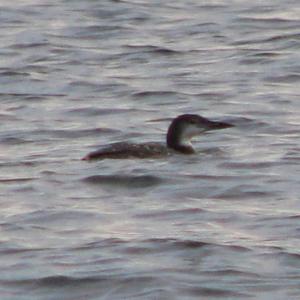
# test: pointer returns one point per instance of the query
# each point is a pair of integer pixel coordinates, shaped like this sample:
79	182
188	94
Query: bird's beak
218	125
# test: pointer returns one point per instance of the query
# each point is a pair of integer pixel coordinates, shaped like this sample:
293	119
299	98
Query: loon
181	130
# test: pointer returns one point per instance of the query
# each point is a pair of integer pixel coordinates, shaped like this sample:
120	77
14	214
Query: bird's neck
182	148
177	143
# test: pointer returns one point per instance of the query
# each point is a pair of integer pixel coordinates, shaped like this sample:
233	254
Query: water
222	224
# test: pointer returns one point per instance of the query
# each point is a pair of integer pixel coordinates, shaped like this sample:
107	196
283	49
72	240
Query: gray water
221	224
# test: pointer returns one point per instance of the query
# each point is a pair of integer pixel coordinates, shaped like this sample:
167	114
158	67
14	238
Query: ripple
13	73
10	140
20	179
159	244
244	192
214	292
260	57
54	217
154	94
250	165
153	49
289	78
268	40
55	280
174	213
65	133
92	111
128	181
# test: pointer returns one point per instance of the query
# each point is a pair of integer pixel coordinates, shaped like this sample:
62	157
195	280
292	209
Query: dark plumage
180	132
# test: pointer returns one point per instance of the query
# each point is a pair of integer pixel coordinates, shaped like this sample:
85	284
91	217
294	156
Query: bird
178	140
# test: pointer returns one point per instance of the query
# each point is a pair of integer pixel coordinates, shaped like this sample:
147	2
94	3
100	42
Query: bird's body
179	135
129	150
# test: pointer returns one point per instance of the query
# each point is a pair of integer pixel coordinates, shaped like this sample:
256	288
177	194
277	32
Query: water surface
221	224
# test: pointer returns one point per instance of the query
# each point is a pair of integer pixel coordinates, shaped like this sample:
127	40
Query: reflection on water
219	224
